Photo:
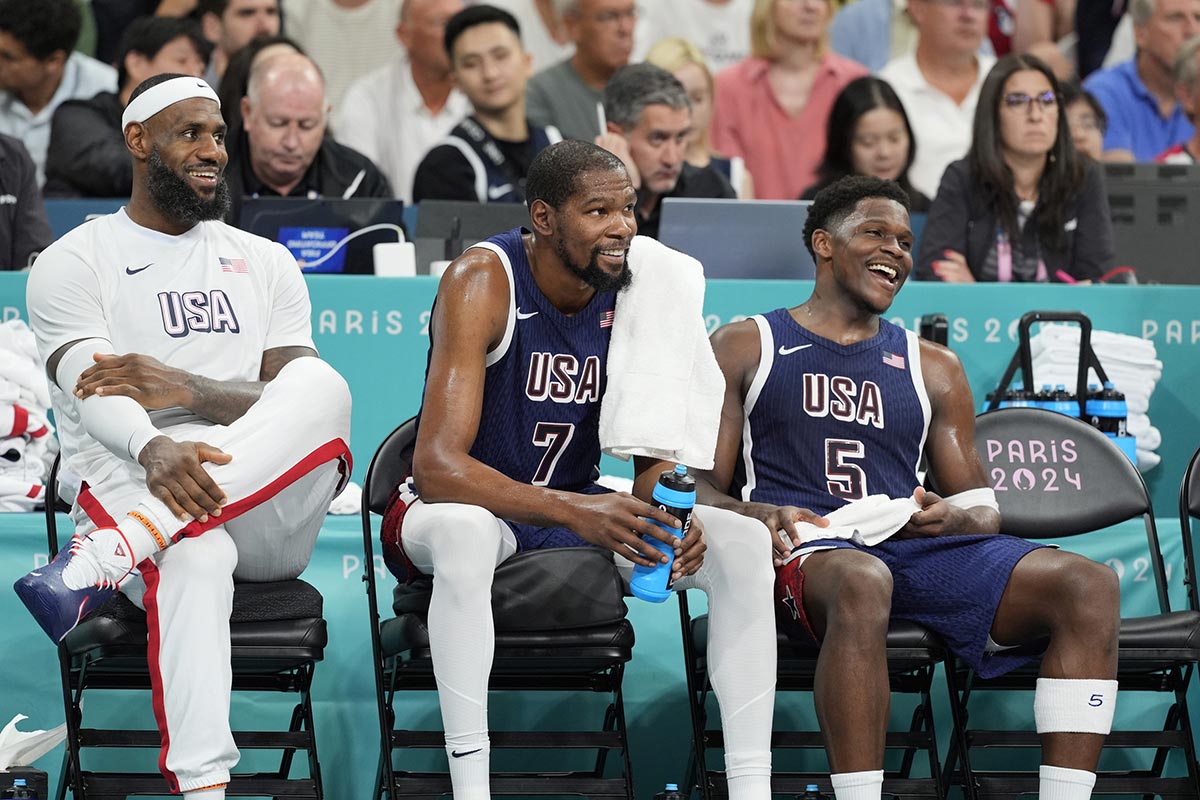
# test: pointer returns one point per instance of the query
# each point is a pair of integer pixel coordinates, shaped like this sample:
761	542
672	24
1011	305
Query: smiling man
649	122
284	151
191	403
487	155
826	405
508	443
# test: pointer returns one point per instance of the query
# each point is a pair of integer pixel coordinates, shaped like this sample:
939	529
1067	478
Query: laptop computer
747	239
446	227
1155	213
324	234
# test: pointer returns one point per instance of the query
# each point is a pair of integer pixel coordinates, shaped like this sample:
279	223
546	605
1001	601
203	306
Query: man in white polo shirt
939	83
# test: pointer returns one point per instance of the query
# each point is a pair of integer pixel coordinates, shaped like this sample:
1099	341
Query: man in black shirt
24	228
487	155
284	151
649	119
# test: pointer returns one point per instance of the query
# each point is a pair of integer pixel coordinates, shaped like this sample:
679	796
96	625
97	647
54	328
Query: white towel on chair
665	390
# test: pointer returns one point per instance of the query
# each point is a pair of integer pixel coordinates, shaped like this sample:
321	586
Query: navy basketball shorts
532	537
950	585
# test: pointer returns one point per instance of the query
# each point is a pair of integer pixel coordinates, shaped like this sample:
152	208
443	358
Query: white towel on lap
665	390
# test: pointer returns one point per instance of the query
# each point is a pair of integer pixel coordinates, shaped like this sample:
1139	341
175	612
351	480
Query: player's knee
210	558
1091	595
861	594
464	543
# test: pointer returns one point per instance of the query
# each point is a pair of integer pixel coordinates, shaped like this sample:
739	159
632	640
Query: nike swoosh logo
132	271
525	315
784	351
457	754
496	192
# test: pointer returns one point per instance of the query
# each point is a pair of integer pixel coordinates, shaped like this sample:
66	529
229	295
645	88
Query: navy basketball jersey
541	400
825	423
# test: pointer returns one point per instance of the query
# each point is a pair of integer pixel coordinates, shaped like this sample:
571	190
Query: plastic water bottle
1063	402
669	792
20	789
1107	412
674	493
812	792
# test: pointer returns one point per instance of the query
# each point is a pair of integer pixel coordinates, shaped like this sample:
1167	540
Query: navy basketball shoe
82	577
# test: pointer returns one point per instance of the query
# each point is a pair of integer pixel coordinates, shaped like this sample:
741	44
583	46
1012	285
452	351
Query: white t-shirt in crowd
720	30
209	301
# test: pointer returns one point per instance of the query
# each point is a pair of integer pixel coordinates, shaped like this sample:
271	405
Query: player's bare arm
155	385
737	348
468	321
950	449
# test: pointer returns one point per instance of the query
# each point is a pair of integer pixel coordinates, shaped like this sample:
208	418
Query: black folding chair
278	635
1055	477
560	626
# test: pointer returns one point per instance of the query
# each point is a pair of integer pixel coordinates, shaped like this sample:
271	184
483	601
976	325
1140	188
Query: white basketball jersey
209	301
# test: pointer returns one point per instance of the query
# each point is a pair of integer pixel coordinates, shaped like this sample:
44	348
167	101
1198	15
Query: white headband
167	93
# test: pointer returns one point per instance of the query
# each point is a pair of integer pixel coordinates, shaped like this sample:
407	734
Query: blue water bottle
1107	411
669	792
674	493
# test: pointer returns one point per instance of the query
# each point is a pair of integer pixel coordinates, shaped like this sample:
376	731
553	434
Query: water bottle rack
1023	358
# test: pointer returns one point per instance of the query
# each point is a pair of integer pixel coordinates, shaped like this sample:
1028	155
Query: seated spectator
568	94
1138	95
397	113
720	29
231	25
348	39
649	121
283	150
487	155
684	60
24	229
874	32
39	71
1022	206
1187	89
939	82
771	109
1038	26
1086	120
87	156
869	134
237	75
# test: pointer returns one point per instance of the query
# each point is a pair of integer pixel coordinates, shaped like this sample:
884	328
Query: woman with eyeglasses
1023	205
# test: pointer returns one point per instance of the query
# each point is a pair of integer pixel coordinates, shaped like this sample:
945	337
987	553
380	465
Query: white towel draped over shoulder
665	390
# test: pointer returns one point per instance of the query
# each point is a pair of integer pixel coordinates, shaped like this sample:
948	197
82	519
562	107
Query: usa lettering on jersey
197	312
558	377
843	399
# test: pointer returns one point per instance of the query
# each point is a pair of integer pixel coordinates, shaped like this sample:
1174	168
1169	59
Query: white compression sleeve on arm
118	423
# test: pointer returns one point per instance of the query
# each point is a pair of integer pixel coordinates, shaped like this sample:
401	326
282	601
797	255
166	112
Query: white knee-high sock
1061	783
737	577
858	785
214	793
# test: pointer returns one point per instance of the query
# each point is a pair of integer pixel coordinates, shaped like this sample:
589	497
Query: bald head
284	114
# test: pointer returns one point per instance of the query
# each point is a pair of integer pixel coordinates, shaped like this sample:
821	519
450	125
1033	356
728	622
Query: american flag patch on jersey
237	265
893	360
606	319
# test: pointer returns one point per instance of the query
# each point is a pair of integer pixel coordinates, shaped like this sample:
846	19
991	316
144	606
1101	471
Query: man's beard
177	200
591	274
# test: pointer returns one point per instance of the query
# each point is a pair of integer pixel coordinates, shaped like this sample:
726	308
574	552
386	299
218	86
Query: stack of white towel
27	443
1131	364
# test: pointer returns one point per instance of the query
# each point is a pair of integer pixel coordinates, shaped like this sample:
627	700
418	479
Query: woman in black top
1023	205
868	134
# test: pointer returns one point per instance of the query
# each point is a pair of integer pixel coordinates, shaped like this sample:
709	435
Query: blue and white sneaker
82	577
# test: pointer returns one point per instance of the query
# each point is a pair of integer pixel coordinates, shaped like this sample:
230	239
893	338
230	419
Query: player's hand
175	474
952	268
616	144
689	556
618	520
145	379
936	517
781	521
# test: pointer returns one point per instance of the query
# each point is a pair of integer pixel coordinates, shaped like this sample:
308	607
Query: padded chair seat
266	617
1178	631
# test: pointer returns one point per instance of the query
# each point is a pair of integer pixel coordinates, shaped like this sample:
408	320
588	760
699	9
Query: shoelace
79	551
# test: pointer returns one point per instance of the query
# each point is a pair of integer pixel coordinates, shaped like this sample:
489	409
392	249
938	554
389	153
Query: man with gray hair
649	121
567	95
1187	90
1138	95
283	150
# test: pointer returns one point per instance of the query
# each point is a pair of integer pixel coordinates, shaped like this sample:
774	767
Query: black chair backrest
1055	475
392	463
1190	491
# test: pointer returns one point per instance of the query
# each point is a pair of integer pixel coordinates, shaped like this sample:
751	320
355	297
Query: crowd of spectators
766	99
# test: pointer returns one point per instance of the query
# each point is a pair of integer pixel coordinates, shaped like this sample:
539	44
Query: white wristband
974	498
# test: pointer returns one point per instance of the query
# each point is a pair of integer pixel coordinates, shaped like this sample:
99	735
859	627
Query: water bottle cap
681	469
1108	384
673	787
812	787
19	783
